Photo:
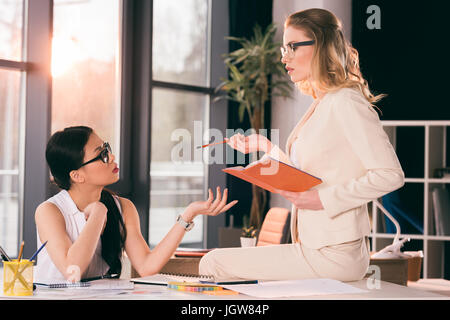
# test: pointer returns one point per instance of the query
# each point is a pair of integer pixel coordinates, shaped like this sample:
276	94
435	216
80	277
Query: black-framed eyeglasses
103	155
289	51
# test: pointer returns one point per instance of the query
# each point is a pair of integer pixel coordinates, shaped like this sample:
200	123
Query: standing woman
87	227
339	139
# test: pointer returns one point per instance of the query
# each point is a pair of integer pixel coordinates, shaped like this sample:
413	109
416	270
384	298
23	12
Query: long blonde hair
335	63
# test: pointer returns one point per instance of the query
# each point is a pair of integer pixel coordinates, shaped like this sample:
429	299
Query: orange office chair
275	228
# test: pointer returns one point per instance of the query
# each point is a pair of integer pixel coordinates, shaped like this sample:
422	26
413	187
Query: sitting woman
88	227
339	139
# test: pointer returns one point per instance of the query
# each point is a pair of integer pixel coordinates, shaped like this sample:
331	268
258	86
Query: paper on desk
74	294
98	288
65	294
295	288
111	284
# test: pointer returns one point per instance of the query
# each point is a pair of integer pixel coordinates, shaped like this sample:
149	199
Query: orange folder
271	174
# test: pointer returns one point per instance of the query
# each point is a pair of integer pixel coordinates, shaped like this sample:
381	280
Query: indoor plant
255	75
248	234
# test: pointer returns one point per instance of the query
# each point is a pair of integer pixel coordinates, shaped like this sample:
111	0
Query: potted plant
248	234
255	75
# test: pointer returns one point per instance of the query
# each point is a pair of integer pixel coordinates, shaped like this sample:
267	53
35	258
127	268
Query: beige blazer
340	139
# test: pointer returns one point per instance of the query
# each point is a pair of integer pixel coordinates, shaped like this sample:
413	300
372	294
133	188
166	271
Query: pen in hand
211	144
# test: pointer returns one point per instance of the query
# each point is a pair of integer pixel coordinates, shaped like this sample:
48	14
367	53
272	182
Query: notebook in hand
271	174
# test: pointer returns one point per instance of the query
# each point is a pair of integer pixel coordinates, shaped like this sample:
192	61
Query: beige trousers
345	262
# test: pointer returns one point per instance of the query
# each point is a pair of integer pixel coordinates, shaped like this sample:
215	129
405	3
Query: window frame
141	14
35	122
136	98
23	67
189	88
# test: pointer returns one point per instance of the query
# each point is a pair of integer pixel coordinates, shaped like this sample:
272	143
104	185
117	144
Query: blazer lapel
297	128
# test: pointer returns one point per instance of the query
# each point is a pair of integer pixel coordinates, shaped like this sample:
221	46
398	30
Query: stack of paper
295	288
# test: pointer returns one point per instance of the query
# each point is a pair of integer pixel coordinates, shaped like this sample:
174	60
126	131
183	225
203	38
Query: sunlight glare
65	53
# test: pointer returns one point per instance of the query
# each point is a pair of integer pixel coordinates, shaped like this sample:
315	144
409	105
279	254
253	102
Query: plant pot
248	242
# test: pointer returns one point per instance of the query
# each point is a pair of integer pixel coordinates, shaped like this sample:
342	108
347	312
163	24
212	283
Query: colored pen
37	252
4	255
21	251
211	144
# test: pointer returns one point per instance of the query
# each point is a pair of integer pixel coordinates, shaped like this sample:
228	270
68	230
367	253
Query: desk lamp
391	251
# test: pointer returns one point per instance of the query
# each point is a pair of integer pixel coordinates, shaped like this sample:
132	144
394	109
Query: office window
86	67
180	110
10	101
11	29
11	37
175	182
180	41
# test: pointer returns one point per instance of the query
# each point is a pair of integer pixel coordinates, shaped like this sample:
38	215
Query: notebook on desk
101	284
164	279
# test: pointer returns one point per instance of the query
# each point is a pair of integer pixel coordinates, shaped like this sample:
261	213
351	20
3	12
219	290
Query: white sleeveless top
45	270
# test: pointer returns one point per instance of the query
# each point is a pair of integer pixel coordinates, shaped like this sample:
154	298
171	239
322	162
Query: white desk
439	286
387	291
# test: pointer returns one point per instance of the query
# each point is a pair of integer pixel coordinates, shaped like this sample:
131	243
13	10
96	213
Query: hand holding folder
273	175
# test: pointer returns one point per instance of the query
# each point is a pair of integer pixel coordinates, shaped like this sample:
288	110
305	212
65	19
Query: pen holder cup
18	278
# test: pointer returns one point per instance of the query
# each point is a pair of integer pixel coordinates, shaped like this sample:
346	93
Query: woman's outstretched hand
309	199
209	207
252	143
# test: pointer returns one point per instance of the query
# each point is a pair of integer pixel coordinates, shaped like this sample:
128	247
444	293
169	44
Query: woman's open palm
212	207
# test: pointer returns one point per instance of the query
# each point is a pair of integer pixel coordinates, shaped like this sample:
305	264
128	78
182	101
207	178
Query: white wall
287	113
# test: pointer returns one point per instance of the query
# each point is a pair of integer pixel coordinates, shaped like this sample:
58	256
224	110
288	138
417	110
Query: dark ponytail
114	235
64	153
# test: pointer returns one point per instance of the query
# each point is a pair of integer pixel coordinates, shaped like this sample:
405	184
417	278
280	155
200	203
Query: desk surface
387	290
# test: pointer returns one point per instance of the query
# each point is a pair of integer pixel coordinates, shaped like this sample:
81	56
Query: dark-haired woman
87	227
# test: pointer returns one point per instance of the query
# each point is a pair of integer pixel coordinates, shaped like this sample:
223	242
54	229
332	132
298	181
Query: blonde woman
339	139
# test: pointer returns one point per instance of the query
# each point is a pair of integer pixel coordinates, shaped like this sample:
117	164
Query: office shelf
426	144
